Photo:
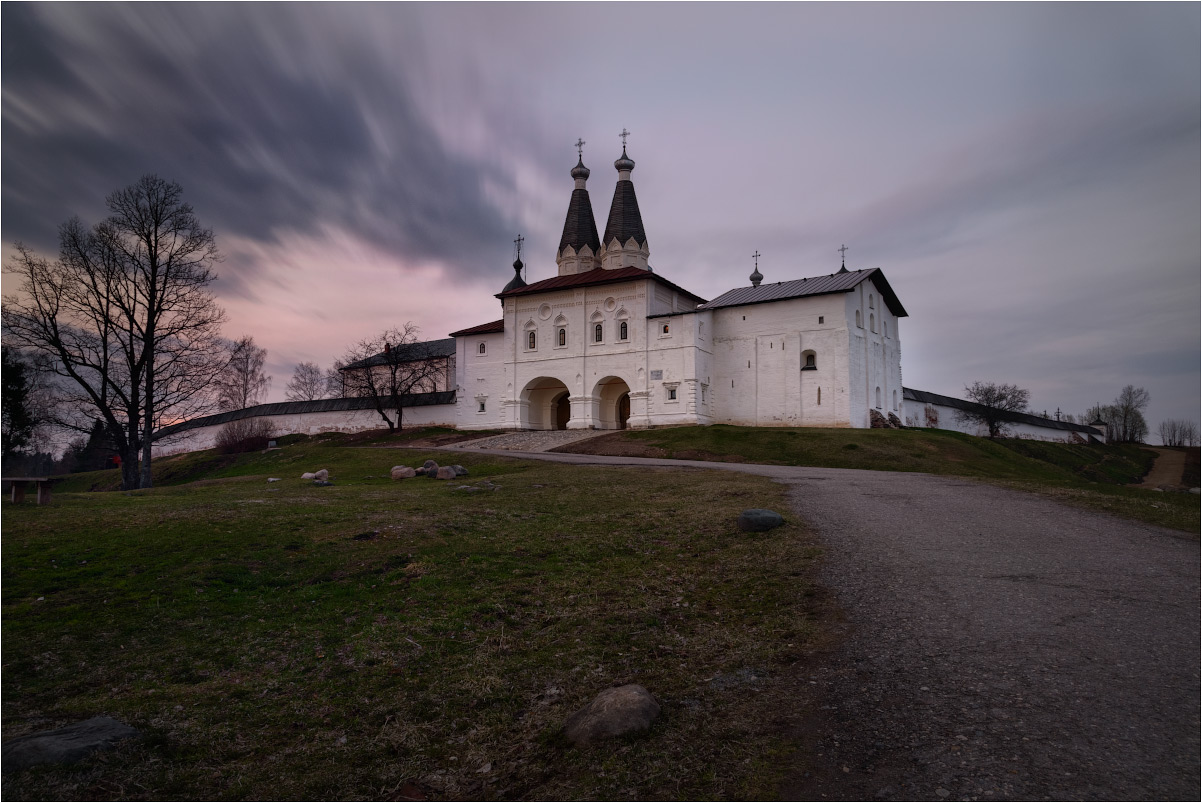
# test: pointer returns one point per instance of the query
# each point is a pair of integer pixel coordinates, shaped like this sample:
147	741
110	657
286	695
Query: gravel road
996	645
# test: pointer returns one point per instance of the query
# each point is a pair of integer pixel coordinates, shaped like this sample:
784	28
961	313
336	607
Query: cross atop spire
843	252
624	135
517	254
580	148
755	277
756	257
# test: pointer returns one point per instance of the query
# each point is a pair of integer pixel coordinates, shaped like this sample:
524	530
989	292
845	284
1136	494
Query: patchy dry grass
385	640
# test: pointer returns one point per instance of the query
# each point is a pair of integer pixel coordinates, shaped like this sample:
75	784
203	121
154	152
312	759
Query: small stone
402	472
613	712
322	475
943	793
460	471
758	520
443	473
273	479
64	745
308	475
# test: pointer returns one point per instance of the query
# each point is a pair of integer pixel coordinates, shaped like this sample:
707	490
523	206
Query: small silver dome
625	162
580	171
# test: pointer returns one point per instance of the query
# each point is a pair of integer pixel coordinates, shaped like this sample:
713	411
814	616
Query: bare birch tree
307	383
243	383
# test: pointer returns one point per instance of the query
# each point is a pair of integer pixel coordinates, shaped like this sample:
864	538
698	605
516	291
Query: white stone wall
480	379
874	356
918	415
434	415
758	354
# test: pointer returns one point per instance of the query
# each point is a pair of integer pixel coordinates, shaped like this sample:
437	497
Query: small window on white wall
532	340
663	330
872	323
821	320
563	336
481	408
885	325
870	304
480	349
878	398
624	331
858	323
598	331
671	394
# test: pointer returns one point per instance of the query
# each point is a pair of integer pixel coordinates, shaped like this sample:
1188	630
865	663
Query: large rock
322	475
613	712
402	472
444	473
758	520
308	475
430	466
64	745
460	471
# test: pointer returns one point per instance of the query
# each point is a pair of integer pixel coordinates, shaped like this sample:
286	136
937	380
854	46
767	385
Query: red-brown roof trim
483	329
595	277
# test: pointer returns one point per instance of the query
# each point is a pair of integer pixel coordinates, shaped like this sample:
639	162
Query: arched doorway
545	404
611	397
563	410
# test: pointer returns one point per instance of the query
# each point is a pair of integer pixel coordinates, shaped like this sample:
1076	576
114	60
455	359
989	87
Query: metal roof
409	352
595	277
482	329
297	407
580	227
926	397
625	220
813	286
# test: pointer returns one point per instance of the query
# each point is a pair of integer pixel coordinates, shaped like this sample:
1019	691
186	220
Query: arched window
870	304
872	323
885	324
858	324
665	329
480	349
624	331
597	332
532	340
563	336
878	398
807	361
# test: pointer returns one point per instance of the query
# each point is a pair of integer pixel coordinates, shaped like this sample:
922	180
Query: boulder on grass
443	473
430	466
402	472
613	712
758	520
322	475
308	475
460	471
64	745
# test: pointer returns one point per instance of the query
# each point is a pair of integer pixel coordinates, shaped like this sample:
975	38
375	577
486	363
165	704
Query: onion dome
756	277
580	171
624	163
516	281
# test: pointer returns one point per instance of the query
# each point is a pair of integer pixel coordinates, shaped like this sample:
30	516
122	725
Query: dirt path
996	645
1167	470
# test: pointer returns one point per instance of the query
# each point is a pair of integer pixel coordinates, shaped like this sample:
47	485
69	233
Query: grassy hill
404	640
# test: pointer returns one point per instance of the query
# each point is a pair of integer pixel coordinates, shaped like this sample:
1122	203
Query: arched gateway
545	404
611	400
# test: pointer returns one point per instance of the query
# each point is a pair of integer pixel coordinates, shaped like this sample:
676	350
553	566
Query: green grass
381	639
1094	477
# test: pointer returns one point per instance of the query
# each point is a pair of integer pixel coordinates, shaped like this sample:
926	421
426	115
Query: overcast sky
1026	175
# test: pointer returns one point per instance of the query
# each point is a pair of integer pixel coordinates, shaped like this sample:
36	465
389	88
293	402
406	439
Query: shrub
243	435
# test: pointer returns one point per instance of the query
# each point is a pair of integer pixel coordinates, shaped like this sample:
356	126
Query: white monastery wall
191	440
939	416
874	356
759	351
479	380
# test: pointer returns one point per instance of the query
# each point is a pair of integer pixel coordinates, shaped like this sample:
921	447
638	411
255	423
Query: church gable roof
813	286
596	277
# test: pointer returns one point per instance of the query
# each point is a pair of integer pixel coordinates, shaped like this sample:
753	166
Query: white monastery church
607	343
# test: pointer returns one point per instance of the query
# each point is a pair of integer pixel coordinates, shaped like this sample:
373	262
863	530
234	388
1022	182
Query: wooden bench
41	483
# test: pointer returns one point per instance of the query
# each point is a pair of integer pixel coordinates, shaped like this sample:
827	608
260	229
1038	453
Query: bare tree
242	384
1131	427
335	386
391	366
1178	432
125	314
996	405
307	383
